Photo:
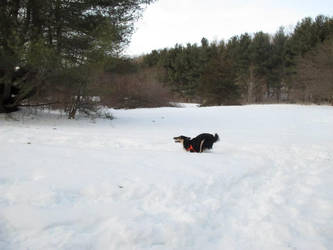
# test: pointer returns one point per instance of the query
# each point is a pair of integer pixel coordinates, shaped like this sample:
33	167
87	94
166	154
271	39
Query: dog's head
181	139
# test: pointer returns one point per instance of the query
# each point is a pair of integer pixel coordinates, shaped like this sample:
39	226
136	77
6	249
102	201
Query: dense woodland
68	55
257	68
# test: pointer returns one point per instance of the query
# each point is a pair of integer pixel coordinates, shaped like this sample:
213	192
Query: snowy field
124	184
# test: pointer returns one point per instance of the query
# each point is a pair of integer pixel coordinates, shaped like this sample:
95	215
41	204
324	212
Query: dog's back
206	139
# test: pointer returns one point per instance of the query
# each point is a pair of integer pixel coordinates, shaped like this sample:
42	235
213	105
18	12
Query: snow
124	184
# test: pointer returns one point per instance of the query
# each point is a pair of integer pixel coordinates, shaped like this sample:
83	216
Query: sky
165	23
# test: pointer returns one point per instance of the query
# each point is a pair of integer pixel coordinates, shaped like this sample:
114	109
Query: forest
253	68
68	55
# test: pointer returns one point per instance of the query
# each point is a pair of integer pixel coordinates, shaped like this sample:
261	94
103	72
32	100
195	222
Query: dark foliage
259	68
61	45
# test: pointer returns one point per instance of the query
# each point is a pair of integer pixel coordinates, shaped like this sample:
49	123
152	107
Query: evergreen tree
245	67
48	40
277	76
261	51
217	82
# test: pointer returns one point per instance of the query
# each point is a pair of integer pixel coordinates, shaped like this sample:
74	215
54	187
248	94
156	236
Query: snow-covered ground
124	184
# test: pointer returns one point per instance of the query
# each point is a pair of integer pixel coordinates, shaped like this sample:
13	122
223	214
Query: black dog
199	143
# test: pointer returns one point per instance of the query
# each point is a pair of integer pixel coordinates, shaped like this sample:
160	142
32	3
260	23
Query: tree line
257	68
68	55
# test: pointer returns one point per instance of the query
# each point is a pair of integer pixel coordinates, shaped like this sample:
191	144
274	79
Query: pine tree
261	51
218	80
48	40
277	77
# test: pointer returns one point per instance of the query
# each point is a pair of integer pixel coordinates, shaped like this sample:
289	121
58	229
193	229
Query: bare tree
314	78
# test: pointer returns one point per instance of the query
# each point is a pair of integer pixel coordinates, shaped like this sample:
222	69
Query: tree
48	40
308	35
182	68
218	80
245	68
277	77
261	52
314	78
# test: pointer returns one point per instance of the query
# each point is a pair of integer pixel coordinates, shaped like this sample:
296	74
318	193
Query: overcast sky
167	22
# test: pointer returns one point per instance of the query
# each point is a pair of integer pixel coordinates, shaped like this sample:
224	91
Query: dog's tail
216	137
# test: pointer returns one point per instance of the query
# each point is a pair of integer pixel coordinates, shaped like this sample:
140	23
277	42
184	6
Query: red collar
191	149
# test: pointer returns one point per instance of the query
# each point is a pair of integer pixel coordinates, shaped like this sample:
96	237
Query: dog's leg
201	143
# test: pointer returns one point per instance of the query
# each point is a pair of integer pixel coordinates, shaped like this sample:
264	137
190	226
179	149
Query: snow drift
124	183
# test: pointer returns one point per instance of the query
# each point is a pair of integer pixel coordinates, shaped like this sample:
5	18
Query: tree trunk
250	86
5	93
77	103
74	108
